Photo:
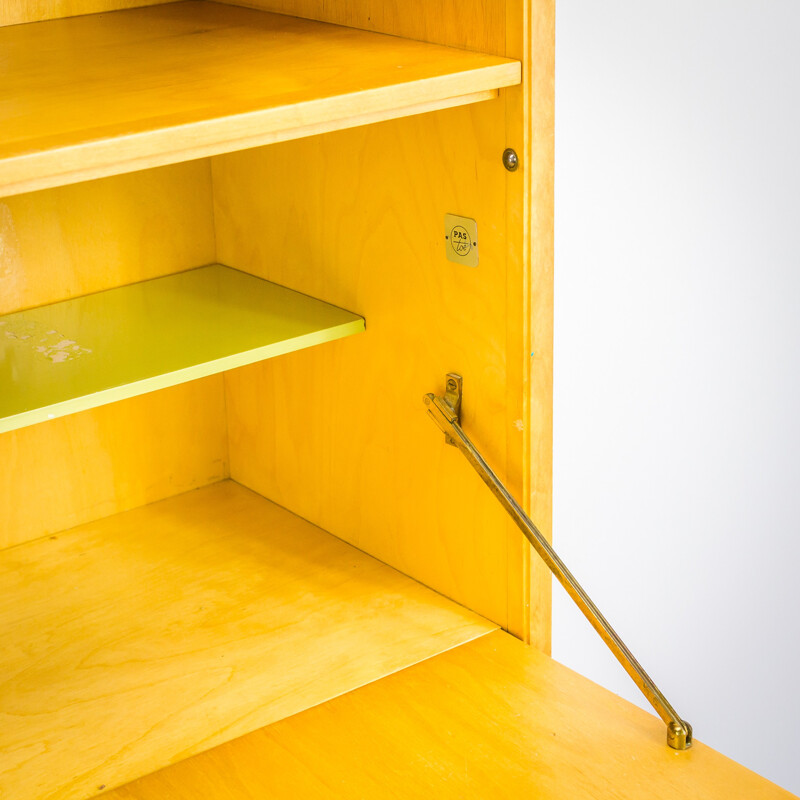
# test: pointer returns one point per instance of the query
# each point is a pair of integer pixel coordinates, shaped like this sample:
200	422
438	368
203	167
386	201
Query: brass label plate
461	240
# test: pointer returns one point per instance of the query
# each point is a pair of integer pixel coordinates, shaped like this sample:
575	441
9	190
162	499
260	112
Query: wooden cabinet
224	291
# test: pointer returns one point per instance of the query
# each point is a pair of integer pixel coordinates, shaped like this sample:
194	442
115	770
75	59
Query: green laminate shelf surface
104	347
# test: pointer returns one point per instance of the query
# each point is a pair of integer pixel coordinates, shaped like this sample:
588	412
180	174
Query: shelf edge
171	145
177	377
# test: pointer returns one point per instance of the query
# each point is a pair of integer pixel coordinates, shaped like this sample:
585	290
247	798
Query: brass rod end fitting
679	737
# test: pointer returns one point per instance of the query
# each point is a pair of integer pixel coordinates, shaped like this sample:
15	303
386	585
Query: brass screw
451	385
510	160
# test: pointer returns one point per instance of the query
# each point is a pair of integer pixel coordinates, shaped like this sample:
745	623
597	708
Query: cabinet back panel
79	239
15	12
76	469
340	436
471	24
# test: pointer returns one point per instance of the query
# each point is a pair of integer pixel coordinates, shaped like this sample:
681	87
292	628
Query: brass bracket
454	387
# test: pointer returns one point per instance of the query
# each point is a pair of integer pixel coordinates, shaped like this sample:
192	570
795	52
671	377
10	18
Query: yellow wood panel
143	638
114	166
472	24
455	160
76	240
530	130
341	437
74	469
490	719
14	12
80	239
539	90
110	93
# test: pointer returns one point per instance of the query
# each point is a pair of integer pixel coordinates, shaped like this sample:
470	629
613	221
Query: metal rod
679	732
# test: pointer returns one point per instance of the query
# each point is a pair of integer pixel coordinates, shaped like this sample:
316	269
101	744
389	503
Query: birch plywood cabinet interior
223	292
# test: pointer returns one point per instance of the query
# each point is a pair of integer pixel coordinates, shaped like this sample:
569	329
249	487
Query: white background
677	357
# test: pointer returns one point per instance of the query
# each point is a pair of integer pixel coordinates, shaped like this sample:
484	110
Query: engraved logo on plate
461	240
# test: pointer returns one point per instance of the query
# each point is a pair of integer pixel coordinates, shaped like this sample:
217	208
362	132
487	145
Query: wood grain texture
80	239
490	719
530	113
71	470
478	25
16	12
141	639
539	89
111	93
342	438
76	240
339	200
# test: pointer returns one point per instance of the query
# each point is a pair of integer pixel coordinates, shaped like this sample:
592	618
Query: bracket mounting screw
510	159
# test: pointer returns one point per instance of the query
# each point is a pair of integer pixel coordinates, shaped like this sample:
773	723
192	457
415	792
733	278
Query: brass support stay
448	418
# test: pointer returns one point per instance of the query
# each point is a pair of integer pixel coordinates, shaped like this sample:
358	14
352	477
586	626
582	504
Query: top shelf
104	94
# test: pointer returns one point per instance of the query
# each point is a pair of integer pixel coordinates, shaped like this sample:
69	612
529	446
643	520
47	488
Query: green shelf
92	350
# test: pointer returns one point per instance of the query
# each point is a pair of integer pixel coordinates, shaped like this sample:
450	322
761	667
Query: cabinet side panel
339	435
539	89
79	239
16	12
470	24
